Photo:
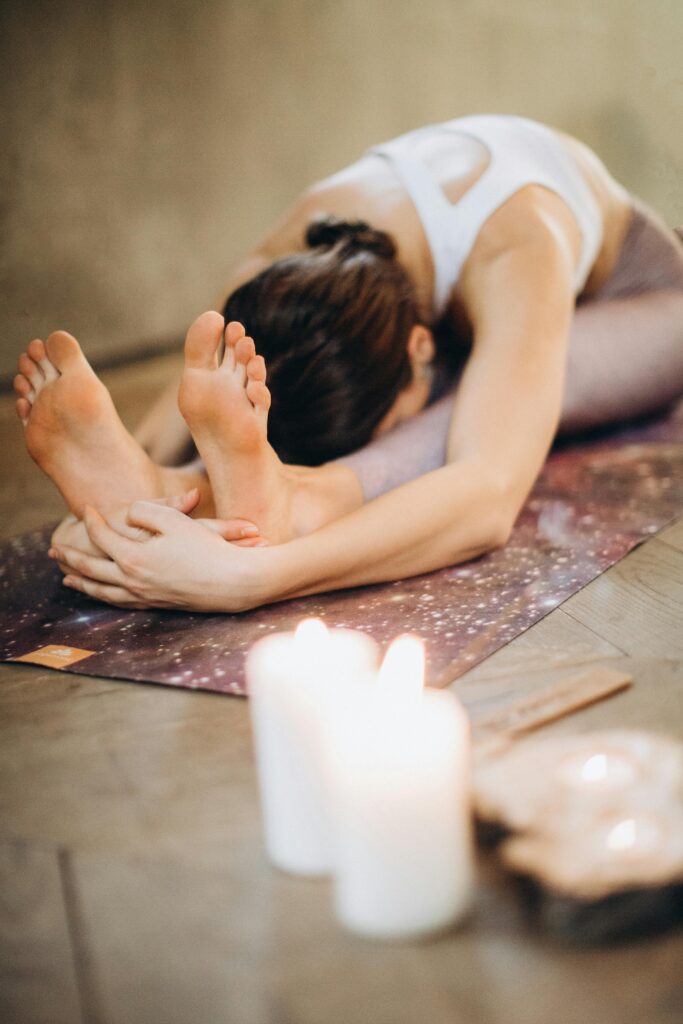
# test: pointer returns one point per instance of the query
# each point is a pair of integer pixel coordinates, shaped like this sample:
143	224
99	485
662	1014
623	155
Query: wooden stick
498	729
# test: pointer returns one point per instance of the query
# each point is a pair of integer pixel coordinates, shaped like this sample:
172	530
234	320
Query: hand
152	555
72	532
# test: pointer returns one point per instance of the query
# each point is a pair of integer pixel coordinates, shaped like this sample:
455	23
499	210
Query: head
347	351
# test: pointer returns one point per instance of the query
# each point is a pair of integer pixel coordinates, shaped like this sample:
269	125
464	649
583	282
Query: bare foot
73	431
225	405
226	408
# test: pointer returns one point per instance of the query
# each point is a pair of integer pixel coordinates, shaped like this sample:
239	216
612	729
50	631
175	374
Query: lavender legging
625	359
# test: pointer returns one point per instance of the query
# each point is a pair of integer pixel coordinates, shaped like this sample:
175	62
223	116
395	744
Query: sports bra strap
436	214
521	153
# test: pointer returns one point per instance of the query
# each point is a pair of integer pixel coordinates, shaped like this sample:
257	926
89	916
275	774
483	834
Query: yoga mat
593	502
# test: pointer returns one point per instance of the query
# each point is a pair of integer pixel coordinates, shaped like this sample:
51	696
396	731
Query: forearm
447	516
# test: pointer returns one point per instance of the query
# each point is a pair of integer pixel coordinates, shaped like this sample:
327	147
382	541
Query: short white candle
296	682
403	834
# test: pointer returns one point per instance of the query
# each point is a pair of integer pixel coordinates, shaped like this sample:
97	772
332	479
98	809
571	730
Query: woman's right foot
225	404
73	431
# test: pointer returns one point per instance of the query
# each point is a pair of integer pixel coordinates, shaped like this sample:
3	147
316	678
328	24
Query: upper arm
520	302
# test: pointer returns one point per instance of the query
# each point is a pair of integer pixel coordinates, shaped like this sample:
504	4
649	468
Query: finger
252	542
103	592
152	517
185	502
107	539
231	529
102	569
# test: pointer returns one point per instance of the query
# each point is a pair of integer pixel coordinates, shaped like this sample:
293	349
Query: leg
625	359
73	432
410	450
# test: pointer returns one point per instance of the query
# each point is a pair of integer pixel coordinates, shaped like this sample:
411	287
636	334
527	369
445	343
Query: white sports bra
521	152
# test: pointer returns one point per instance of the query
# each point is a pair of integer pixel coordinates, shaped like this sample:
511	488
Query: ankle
322	494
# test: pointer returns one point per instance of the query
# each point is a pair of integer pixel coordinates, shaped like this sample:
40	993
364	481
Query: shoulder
534	224
532	214
523	260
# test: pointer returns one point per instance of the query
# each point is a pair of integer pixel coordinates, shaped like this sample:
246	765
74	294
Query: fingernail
249	531
68	581
261	544
52	553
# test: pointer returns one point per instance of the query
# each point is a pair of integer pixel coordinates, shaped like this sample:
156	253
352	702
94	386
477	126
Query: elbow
500	532
500	519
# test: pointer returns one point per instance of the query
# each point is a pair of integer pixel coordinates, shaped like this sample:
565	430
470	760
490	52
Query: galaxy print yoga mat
593	502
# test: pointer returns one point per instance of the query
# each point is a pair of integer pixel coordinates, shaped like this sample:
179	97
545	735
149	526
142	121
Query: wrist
248	578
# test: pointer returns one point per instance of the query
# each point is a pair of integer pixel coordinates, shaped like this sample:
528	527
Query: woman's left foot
73	431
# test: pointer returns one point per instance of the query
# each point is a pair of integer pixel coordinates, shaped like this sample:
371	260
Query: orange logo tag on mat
55	656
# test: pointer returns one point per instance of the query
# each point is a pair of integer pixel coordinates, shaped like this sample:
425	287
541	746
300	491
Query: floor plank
174	943
673	535
555	640
97	764
638	604
37	975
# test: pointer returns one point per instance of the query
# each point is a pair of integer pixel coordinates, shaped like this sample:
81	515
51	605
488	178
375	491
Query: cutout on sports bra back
454	171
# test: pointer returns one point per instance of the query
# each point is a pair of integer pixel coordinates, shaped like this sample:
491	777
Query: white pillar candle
296	682
403	832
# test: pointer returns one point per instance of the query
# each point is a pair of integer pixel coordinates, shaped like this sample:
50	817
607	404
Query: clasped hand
152	555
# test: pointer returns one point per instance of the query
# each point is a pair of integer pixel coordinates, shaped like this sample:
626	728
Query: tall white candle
403	834
297	683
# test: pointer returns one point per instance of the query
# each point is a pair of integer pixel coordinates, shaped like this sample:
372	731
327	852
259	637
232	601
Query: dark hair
333	324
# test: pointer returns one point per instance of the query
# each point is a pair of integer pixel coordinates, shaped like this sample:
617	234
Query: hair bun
351	235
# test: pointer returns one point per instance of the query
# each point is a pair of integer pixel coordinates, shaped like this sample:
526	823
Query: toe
23	388
245	351
202	341
64	351
38	353
233	332
31	371
23	407
256	369
259	395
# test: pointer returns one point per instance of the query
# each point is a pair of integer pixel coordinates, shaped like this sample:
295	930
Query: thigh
625	359
626	348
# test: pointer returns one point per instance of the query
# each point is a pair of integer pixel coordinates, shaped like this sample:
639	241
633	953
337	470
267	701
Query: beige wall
148	143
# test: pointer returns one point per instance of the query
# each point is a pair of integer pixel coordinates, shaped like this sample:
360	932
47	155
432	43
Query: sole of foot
225	402
73	431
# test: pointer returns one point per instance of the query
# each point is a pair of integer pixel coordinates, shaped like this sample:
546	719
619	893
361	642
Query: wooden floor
134	886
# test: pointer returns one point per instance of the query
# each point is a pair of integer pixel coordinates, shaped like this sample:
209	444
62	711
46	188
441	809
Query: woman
495	243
